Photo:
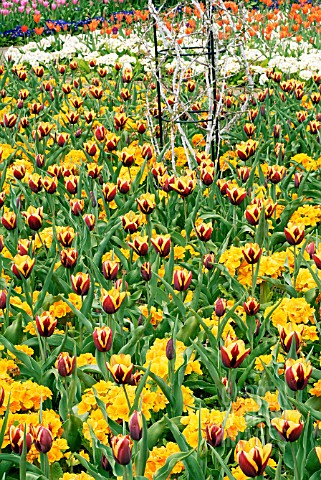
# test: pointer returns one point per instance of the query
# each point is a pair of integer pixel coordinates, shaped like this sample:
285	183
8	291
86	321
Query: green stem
253	286
44	463
296	470
294	267
126	395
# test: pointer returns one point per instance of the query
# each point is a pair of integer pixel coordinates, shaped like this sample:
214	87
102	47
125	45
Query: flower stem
296	470
127	398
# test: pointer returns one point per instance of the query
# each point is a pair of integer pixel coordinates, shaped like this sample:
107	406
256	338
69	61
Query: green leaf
222	463
164	472
180	305
190	461
72	428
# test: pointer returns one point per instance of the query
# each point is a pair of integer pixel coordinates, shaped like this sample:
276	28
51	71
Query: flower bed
160	312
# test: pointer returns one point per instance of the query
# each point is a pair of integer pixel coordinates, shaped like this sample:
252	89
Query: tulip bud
214	434
220	307
252	253
89	220
208	261
170	349
310	249
43	439
146	271
136	426
65	364
104	463
251	306
103	338
3	298
122	449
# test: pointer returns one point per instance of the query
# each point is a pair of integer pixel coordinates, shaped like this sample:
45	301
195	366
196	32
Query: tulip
50	184
24	245
243	173
9	120
220	307
162	244
42	439
301	116
22	266
170	349
181	279
214	434
65	364
314	126
146	203
289	426
252	457
109	191
66	236
121	368
207	175
9	220
204	231
147	151
184	186
94	170
71	184
139	245
236	195
141	128
103	338
249	129
68	257
104	463
46	324
122	449
120	121
110	269
294	234
208	261
131	222
252	214
123	185
34	217
146	271
111	142
233	352
252	253
276	173
96	92
291	333
111	300
18	171
76	206
90	148
80	283
136	426
89	116
89	220
297	373
251	306
2	395
16	437
3	299
35	183
2	194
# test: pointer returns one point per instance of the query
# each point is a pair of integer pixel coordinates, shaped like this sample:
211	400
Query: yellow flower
156	355
272	400
158	457
295	310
